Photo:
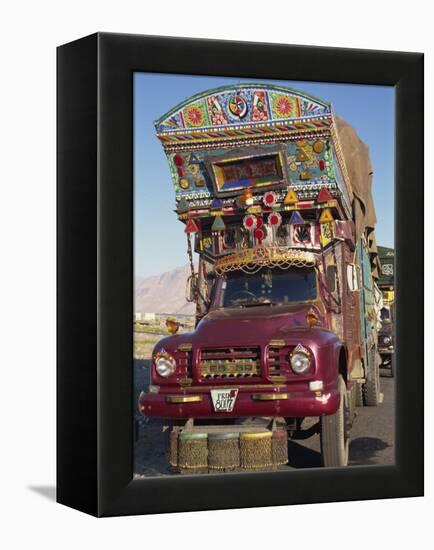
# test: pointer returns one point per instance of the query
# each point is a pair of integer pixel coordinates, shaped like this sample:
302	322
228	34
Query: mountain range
163	293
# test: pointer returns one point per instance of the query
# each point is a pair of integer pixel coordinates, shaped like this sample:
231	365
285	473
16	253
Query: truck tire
334	435
359	394
371	388
352	402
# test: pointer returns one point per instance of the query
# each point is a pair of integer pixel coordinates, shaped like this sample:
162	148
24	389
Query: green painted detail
387	261
366	294
218	224
182	206
193	435
220	436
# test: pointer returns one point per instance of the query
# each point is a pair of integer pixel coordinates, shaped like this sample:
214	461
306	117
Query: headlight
165	364
387	340
300	362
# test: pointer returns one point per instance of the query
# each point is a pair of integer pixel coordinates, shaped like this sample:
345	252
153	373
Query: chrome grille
184	360
278	360
230	362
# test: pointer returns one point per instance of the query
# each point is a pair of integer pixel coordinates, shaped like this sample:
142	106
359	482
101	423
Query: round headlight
165	365
300	362
387	340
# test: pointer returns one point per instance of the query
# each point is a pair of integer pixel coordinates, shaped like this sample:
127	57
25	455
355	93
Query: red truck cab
266	339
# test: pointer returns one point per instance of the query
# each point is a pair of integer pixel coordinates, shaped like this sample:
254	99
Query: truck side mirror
190	289
331	274
210	284
353	277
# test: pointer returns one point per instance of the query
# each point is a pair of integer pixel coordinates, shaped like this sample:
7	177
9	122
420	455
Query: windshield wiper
258	303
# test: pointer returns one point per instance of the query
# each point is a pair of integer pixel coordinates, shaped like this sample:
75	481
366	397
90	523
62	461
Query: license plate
224	400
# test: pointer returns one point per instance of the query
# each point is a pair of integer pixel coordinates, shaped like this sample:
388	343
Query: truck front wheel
335	432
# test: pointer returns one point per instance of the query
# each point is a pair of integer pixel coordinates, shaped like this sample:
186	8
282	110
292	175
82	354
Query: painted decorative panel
247	104
306	162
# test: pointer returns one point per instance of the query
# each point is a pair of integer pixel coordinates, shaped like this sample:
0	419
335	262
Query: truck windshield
269	286
385	314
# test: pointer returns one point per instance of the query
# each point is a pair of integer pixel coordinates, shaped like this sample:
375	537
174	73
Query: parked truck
274	192
386	334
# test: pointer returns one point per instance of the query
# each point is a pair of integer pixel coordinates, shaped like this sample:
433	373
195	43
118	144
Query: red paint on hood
252	324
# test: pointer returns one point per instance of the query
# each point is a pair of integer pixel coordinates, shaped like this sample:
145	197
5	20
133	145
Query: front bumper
197	403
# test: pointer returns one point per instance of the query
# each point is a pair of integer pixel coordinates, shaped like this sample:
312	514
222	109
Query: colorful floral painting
284	106
195	116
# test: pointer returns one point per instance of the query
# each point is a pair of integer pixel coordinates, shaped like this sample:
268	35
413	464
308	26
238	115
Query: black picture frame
95	428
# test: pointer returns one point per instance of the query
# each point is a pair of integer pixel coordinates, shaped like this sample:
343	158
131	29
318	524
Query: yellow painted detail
277	343
185	347
269	396
256	435
183	398
326	216
291	197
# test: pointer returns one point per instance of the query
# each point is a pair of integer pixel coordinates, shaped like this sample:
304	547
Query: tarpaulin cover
358	162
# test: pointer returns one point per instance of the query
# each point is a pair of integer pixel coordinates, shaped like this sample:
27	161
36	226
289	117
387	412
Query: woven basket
193	450
173	448
279	447
255	450
223	451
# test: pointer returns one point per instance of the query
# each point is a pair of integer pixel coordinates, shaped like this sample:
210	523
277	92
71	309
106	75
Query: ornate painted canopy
252	139
258	164
246	105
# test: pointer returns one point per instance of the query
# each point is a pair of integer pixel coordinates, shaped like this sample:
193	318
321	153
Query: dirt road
372	435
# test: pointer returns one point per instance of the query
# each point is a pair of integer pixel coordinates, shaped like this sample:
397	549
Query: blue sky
159	239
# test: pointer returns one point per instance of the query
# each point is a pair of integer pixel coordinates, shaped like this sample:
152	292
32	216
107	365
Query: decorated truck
386	283
274	192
